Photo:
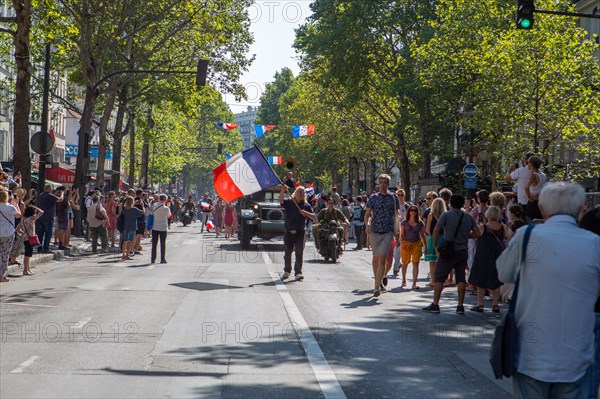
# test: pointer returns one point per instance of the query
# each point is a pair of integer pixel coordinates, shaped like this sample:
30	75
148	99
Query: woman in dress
111	211
229	219
219	215
489	247
8	213
438	206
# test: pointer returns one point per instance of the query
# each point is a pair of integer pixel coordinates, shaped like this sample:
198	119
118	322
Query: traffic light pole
568	13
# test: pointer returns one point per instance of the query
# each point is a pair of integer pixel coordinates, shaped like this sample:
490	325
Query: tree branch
10	31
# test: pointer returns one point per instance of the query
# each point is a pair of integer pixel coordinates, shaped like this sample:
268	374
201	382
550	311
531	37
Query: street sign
470	170
470	182
41	148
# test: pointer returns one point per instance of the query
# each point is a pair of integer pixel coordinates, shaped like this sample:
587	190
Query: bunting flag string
260	130
276	160
304	130
226	126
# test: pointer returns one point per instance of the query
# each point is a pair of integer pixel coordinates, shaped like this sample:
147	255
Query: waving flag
243	174
226	126
306	130
262	129
275	160
210	224
205	205
310	190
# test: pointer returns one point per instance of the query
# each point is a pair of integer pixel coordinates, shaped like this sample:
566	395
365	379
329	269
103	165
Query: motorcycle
331	237
187	217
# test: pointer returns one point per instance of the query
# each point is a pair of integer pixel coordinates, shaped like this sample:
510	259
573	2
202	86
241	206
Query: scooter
330	240
187	217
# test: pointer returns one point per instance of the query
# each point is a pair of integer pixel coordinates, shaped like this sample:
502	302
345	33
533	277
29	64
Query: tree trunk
145	163
131	154
102	140
118	140
22	160
83	155
402	155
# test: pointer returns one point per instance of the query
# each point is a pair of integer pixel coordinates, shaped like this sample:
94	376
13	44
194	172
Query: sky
272	25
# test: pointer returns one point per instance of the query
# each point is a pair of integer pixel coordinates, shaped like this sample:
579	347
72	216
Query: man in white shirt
160	225
558	286
521	176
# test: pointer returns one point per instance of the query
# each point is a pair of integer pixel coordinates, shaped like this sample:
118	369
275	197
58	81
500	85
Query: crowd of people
475	244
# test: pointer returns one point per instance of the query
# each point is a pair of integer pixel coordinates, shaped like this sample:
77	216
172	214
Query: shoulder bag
99	215
506	337
446	248
33	240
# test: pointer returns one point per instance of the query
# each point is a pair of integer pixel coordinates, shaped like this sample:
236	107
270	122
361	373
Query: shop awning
60	175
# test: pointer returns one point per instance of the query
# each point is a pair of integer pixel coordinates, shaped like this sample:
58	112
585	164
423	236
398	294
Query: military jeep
260	215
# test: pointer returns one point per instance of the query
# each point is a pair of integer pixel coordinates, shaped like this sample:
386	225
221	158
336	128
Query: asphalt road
217	322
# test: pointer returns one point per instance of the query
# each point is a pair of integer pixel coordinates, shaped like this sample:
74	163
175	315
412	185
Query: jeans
163	240
44	232
293	242
525	387
103	233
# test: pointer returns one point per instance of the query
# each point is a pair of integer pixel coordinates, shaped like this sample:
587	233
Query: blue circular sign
470	170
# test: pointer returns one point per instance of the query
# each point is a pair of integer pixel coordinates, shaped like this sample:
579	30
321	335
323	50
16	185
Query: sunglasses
413	210
428	198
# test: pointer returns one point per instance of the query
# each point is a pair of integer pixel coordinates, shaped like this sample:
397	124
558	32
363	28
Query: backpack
358	212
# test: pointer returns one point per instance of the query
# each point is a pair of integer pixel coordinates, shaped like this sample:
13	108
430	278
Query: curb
38	258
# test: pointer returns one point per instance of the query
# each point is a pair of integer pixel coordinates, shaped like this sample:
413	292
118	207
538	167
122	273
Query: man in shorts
454	220
379	221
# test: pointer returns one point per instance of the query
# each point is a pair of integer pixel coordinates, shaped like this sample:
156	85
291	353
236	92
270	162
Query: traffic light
315	151
525	14
201	73
219	148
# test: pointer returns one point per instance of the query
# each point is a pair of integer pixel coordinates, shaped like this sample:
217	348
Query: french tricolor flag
262	129
305	130
275	160
205	205
310	190
210	224
243	174
226	126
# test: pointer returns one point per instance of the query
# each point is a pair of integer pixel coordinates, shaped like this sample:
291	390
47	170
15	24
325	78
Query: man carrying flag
206	206
297	210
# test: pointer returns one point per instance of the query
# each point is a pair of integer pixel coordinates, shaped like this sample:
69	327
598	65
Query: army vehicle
260	215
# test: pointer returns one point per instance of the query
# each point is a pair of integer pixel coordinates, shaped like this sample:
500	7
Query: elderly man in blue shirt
559	284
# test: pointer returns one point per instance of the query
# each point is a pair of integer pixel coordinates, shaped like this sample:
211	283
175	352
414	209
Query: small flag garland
304	130
226	126
276	160
260	130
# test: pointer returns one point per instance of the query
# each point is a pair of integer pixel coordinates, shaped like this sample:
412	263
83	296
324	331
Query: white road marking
125	289
265	254
27	304
24	365
327	381
82	322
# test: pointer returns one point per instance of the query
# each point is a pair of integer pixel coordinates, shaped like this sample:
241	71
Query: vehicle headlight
255	207
247	213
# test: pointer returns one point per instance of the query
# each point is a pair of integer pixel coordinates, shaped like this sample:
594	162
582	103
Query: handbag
99	215
446	248
503	352
33	240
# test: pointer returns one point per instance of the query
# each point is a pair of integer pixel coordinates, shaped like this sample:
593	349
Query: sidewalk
78	246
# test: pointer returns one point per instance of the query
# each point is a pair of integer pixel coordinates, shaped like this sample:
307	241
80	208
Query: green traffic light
525	23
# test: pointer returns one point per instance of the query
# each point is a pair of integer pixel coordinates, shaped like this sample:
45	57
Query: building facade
245	121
